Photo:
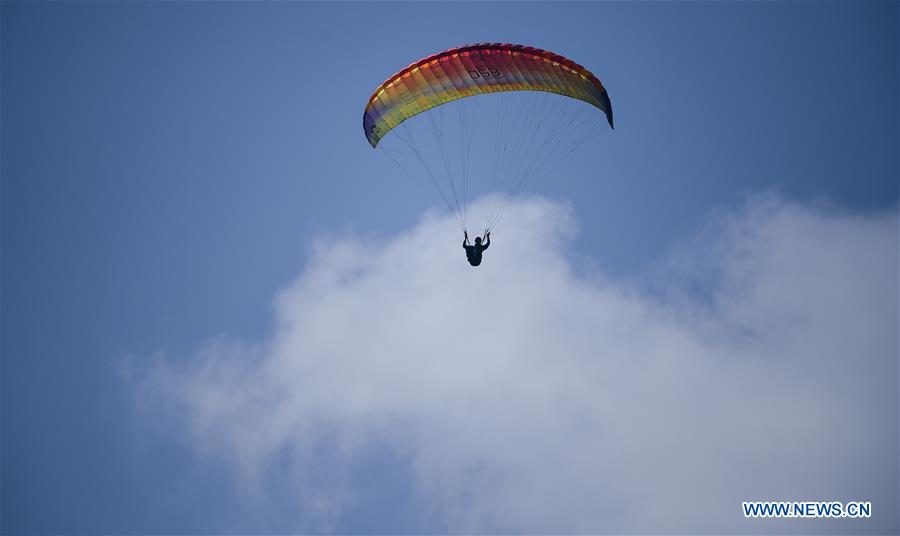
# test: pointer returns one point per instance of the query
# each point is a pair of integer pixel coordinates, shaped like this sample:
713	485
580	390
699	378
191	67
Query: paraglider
530	108
473	252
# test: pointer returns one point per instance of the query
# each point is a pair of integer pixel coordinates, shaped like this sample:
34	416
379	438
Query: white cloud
527	396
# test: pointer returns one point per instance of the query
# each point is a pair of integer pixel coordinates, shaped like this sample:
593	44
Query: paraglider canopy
475	70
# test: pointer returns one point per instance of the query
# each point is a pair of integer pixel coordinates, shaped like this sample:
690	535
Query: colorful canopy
475	70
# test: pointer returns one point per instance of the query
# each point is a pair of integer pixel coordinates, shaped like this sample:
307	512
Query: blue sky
168	170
